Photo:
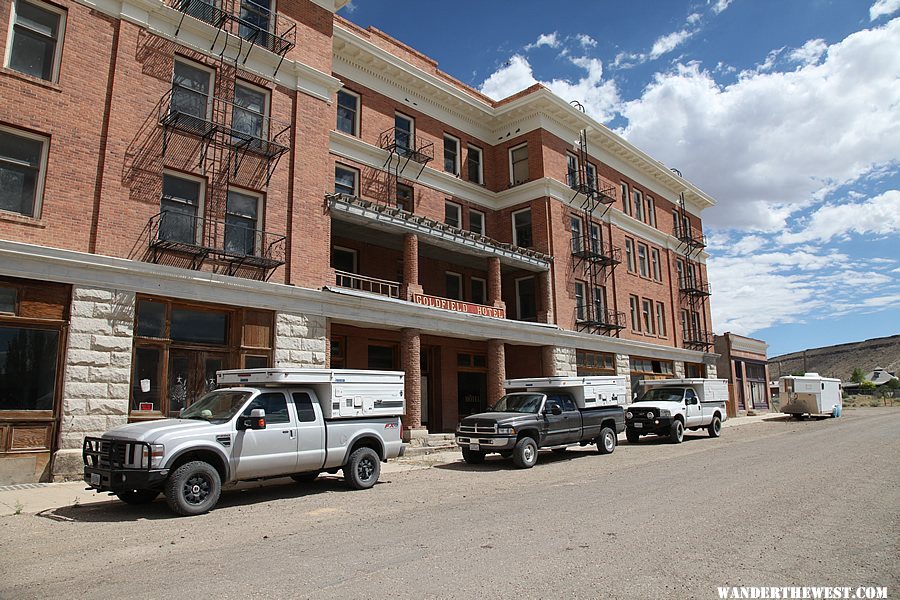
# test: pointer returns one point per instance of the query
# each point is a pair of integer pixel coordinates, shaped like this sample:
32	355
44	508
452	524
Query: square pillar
494	290
496	359
410	267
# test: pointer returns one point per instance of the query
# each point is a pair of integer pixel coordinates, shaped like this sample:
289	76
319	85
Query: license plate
95	478
638	425
474	447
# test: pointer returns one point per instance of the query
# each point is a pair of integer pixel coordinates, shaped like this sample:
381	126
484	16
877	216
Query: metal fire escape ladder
400	154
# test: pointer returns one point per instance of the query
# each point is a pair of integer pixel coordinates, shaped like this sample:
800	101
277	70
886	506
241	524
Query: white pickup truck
669	406
264	423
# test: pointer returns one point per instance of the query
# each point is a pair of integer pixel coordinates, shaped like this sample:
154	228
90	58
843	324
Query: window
180	209
596	240
526	304
382	358
676	224
651	366
36	40
629	254
405	197
580	305
255	17
197	326
518	164
305	411
679	271
479	290
522	228
577	241
344	259
661	319
454	284
248	116
476	222
651	211
634	303
452	214
626	198
242	223
348	112
23	157
572	171
591	172
473	162
344	180
600	303
643	268
638	205
451	154
404	134
191	85
28	365
654	264
274	404
8	297
647	316
594	363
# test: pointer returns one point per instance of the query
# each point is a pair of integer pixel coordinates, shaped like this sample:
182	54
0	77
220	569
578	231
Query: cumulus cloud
810	52
883	8
545	39
720	5
772	143
586	41
879	215
663	45
514	76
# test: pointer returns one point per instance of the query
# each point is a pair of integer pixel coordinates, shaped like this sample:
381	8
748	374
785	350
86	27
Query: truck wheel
472	457
525	453
193	488
715	428
632	436
362	470
606	441
676	433
138	496
305	477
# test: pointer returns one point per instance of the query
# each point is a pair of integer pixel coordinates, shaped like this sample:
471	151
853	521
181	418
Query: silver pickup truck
237	434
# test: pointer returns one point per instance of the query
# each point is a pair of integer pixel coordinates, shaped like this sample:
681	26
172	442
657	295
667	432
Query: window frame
260	215
201	198
643	259
453	205
482	216
576	229
580	306
599	300
647	316
461	283
411	147
484	299
515	235
352	251
469	149
348	169
651	210
638	200
356	111
200	66
596	241
38	200
456	155
572	170
267	104
62	13
412	197
518	281
655	264
625	191
635	309
512	164
661	319
630	262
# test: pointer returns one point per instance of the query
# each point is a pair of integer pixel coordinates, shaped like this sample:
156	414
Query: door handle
286	431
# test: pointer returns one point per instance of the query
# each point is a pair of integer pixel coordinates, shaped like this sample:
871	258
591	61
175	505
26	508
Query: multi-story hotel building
191	185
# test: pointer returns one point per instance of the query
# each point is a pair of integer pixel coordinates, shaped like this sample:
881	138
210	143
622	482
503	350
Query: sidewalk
32	498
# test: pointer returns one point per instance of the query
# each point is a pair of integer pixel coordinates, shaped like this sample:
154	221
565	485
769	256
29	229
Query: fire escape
693	290
596	260
403	148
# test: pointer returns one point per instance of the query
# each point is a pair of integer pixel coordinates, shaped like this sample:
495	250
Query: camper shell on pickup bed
669	406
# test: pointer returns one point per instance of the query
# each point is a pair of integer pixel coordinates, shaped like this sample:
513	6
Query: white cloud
720	5
774	142
667	43
694	18
586	41
545	39
879	216
883	8
810	52
514	76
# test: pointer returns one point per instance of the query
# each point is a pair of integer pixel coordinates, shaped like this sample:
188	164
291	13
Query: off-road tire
193	488
606	441
715	428
632	436
525	453
362	470
305	477
676	432
138	496
473	457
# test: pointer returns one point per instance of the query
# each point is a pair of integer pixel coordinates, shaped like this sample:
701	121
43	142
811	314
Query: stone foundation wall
562	362
678	369
623	365
300	341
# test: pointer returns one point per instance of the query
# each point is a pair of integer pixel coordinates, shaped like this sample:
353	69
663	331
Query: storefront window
199	327
145	385
28	362
151	321
595	363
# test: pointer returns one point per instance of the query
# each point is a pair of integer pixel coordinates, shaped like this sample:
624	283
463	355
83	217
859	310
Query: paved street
768	504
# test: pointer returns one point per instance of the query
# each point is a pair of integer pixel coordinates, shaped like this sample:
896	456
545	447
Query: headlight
157	451
650	414
628	415
506	430
665	412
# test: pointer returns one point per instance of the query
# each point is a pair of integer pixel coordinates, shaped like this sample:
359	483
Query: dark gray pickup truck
520	424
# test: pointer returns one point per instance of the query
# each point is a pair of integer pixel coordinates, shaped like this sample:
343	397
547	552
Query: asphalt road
769	504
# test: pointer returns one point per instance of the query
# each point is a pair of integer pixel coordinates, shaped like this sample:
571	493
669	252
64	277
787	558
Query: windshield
662	395
217	406
520	403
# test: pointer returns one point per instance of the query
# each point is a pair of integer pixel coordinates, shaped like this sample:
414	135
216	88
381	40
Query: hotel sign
459	306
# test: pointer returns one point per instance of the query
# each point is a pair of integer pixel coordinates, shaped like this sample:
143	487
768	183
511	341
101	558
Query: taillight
401	430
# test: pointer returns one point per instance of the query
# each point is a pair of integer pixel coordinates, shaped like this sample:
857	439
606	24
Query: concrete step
433	440
415	451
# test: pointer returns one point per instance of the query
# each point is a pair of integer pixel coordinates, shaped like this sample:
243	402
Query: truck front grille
101	453
478	427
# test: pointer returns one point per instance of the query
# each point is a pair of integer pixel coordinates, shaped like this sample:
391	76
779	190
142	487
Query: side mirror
554	410
256	420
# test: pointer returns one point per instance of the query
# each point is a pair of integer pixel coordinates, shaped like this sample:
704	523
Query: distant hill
839	361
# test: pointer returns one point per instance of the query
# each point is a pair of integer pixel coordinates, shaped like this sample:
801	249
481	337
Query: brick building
742	361
187	186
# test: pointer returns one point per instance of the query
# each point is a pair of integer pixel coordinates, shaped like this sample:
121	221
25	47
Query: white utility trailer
810	394
342	393
602	390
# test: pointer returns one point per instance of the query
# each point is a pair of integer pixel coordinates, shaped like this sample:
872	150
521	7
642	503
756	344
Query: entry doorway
472	392
192	373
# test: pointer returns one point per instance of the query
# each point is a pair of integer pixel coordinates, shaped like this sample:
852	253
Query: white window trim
591	172
412	129
60	36
459	219
484	286
661	319
512	179
580	309
462	289
599	237
456	163
518	283
355	176
651	211
646	263
356	121
512	219
648	318
655	270
355	254
42	170
630	265
626	197
634	307
574	157
260	208
471	148
472	211
264	134
212	80
637	202
201	200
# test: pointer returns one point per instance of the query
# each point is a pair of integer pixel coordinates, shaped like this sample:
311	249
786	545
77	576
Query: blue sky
788	113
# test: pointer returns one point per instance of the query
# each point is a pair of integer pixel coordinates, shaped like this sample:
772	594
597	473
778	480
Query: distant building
742	361
879	377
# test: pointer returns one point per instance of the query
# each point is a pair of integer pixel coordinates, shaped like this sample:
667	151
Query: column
494	290
410	362
496	360
544	298
410	267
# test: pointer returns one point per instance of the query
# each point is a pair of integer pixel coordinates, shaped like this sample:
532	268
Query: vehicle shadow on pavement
496	462
116	511
663	440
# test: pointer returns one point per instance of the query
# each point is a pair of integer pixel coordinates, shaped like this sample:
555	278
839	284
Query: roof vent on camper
811	375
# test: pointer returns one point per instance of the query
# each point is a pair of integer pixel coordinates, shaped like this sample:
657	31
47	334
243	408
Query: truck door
693	416
310	433
269	451
572	420
559	428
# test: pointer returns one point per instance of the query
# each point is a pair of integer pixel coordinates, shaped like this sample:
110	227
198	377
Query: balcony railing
697	338
693	287
603	319
594	251
406	145
691	237
367	284
228	242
